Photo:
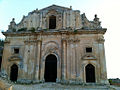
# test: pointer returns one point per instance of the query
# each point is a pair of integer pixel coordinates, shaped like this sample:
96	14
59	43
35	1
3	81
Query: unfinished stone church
55	44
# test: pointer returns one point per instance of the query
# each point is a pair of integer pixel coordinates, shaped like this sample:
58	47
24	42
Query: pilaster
64	59
26	52
37	69
64	20
103	69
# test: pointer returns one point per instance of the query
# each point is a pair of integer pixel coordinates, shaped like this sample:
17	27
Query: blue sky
107	10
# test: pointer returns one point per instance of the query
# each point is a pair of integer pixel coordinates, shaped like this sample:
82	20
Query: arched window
14	72
52	22
90	73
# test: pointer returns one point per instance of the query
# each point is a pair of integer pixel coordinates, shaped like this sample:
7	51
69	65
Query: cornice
56	32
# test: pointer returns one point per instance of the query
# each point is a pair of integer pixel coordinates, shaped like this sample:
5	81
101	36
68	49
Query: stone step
54	86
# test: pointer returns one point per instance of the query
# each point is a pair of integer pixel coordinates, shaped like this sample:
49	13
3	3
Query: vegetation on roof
32	29
22	29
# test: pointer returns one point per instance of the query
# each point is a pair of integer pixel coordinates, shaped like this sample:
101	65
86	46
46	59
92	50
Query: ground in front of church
56	86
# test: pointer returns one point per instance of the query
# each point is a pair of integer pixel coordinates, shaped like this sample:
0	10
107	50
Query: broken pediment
64	18
89	57
15	58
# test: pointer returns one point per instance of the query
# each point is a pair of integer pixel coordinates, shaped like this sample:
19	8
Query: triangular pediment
55	7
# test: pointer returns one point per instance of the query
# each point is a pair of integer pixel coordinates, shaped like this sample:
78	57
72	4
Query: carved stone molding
31	41
73	40
100	40
70	40
64	40
6	41
89	57
15	58
52	50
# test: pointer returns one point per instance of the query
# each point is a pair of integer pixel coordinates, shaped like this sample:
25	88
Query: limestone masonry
55	44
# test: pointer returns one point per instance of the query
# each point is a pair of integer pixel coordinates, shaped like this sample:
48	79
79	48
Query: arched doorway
50	68
90	73
52	22
14	72
0	62
1	53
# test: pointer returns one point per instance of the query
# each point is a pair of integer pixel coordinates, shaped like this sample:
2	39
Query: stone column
30	62
37	70
41	20
64	61
73	61
78	21
42	64
44	21
40	58
26	53
69	61
4	58
68	19
42	70
103	69
64	20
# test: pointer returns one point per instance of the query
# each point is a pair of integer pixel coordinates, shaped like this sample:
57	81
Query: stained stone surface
54	86
29	42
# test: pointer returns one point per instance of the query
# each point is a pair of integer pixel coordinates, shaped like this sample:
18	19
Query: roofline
54	5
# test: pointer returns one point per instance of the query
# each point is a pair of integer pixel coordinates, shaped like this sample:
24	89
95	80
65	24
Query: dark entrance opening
14	73
90	73
0	62
50	68
52	22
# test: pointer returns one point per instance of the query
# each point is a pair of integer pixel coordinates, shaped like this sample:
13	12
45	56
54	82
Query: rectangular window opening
88	49
16	50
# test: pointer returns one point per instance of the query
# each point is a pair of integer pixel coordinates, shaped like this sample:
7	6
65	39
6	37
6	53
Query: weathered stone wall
34	41
69	50
65	18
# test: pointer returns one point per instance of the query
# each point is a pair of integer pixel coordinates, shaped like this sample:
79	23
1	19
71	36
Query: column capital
39	41
100	40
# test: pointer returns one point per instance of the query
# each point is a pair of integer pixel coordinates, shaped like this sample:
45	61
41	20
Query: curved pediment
65	19
89	57
15	58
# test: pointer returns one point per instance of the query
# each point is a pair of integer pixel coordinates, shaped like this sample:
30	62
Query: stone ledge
54	32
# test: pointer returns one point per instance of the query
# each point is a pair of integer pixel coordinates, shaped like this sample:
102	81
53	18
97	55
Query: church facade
55	44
